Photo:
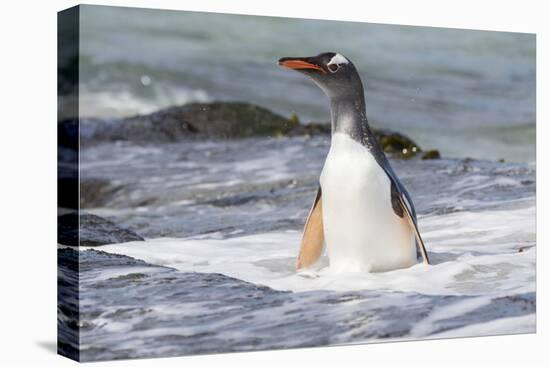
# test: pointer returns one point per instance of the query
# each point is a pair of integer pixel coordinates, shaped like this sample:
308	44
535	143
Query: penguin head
332	72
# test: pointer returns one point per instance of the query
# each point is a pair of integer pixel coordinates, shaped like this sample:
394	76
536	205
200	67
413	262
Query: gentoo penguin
362	212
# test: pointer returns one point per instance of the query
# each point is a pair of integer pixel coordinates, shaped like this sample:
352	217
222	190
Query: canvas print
238	183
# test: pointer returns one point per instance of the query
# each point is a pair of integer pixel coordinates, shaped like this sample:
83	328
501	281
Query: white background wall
28	182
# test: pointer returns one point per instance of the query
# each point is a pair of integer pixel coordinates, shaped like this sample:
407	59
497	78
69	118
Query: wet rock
228	120
91	230
151	293
159	127
392	142
396	144
225	120
96	192
232	119
294	119
431	154
311	129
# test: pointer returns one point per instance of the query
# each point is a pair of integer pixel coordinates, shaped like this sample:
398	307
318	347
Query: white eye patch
338	60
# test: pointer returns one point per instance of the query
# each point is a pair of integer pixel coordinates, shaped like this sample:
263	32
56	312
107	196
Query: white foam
122	103
473	253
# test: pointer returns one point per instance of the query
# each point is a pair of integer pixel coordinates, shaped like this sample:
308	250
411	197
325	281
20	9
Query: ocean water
222	222
222	219
467	93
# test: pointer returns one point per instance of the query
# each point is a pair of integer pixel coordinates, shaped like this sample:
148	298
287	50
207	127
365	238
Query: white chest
362	232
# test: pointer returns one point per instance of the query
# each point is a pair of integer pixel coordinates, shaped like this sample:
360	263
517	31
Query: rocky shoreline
151	175
86	229
221	213
195	122
218	120
305	319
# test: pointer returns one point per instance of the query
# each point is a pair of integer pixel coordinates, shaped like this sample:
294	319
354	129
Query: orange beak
297	64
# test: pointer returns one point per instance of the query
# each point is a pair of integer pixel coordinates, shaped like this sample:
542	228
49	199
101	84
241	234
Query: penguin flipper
400	207
419	241
311	246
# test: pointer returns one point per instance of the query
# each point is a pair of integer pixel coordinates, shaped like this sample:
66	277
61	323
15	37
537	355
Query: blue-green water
467	93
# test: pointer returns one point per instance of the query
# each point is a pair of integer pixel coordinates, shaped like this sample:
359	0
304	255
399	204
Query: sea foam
473	253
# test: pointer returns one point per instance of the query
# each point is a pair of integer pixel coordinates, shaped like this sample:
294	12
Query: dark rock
229	119
91	230
96	192
311	129
393	143
226	120
396	144
144	297
157	127
213	120
431	154
294	119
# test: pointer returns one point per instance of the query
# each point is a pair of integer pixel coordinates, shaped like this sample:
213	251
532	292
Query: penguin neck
349	116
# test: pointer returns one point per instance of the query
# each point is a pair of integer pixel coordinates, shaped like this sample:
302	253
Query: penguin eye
333	67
